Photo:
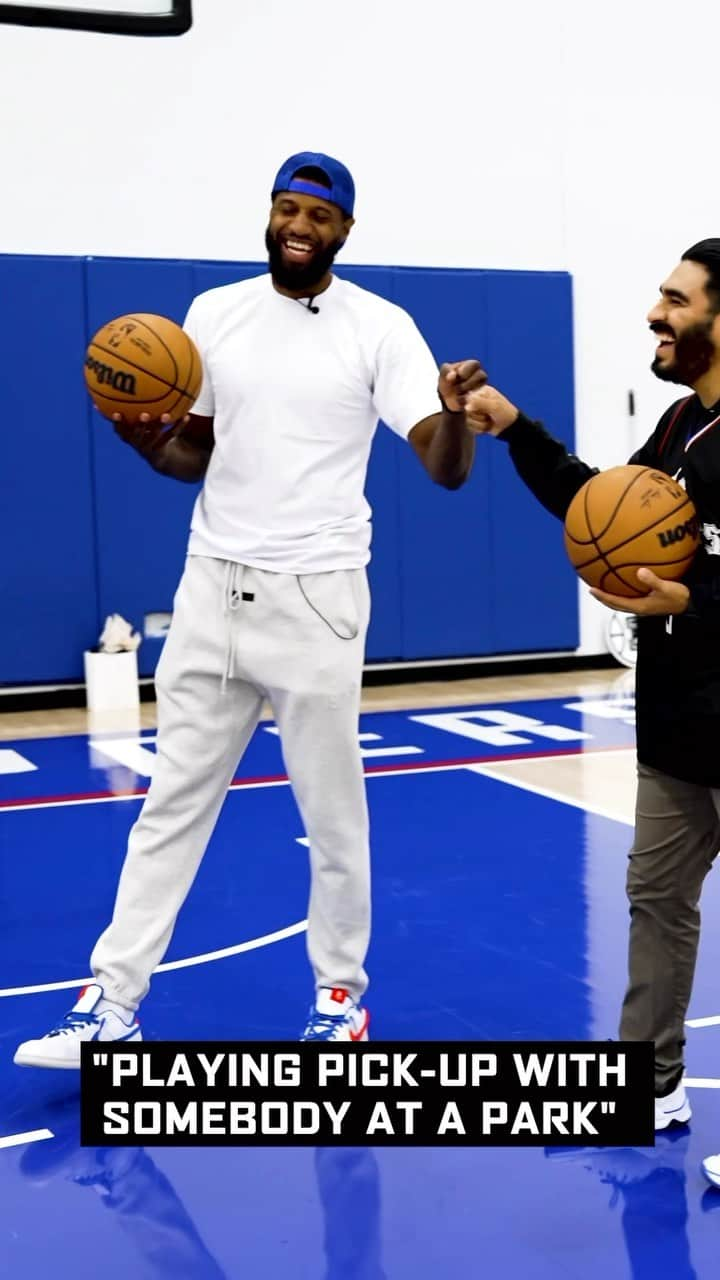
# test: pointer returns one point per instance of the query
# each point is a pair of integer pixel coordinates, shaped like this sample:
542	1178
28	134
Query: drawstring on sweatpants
232	599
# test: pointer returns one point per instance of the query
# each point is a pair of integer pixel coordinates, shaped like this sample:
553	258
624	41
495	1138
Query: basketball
143	364
630	518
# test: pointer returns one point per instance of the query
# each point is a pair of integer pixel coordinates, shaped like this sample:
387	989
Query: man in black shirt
677	827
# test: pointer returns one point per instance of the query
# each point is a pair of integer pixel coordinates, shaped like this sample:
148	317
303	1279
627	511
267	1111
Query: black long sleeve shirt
678	659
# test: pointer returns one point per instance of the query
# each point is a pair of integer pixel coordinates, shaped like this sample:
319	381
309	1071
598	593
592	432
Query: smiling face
303	236
687	326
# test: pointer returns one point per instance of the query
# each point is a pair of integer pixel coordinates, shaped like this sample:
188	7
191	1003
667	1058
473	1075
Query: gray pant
677	836
299	642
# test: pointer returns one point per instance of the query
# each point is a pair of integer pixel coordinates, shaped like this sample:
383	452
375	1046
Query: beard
692	356
299	276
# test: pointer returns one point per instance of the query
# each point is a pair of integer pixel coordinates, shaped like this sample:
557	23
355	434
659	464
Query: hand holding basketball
147	433
488	412
625	523
663	598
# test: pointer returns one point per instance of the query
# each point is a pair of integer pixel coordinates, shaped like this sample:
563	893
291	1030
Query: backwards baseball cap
341	188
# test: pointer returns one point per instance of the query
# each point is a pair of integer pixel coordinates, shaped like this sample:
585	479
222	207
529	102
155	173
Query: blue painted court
499	913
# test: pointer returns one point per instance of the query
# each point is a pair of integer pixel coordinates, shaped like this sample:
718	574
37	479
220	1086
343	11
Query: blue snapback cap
341	188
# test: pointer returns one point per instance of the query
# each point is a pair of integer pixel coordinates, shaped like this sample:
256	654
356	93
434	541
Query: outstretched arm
551	473
554	476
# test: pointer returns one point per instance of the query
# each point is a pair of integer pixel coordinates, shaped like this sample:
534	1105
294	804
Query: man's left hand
457	380
663	597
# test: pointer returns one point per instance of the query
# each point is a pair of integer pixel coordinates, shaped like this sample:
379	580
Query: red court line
278	779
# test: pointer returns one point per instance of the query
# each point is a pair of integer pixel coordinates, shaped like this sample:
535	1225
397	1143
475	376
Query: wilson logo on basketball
118	379
681	531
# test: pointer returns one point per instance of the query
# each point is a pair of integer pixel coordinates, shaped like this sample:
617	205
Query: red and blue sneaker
336	1016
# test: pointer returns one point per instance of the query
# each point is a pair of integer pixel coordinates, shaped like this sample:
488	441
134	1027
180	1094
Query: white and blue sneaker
674	1108
335	1016
92	1018
711	1169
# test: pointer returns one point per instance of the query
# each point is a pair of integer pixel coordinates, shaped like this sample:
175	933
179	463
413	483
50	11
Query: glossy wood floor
390	697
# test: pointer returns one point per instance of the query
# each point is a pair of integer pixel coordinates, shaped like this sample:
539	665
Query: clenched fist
456	382
488	412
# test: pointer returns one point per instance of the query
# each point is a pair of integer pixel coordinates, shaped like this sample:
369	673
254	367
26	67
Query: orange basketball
630	518
143	364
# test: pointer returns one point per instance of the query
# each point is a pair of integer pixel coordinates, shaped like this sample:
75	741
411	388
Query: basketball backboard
122	17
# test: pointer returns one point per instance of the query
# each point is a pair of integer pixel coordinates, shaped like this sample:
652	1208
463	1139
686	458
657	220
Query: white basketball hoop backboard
122	17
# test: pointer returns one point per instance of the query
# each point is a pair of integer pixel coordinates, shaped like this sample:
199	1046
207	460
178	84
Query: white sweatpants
239	635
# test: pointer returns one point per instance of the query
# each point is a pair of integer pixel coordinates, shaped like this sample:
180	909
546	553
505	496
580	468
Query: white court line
209	956
234	786
12	762
369	773
33	1135
252	945
482	769
134	795
702	1083
560	796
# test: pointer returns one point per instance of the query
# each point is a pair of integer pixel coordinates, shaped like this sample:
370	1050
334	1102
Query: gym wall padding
529	354
89	529
49	553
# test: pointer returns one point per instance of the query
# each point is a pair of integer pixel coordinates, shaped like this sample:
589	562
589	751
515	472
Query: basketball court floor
502	815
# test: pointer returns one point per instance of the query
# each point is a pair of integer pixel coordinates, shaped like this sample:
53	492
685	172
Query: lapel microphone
310	305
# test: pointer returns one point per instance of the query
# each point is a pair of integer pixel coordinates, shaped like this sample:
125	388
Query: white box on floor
111	681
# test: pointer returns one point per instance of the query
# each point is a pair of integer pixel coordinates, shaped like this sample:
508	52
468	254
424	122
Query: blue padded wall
529	356
445	534
213	275
49	598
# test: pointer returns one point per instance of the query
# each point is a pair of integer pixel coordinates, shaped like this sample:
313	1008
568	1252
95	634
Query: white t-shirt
296	398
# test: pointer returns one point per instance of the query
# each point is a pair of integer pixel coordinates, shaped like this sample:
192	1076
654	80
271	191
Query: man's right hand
148	433
488	412
180	450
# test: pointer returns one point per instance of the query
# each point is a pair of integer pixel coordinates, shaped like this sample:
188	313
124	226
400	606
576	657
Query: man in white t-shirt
273	604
